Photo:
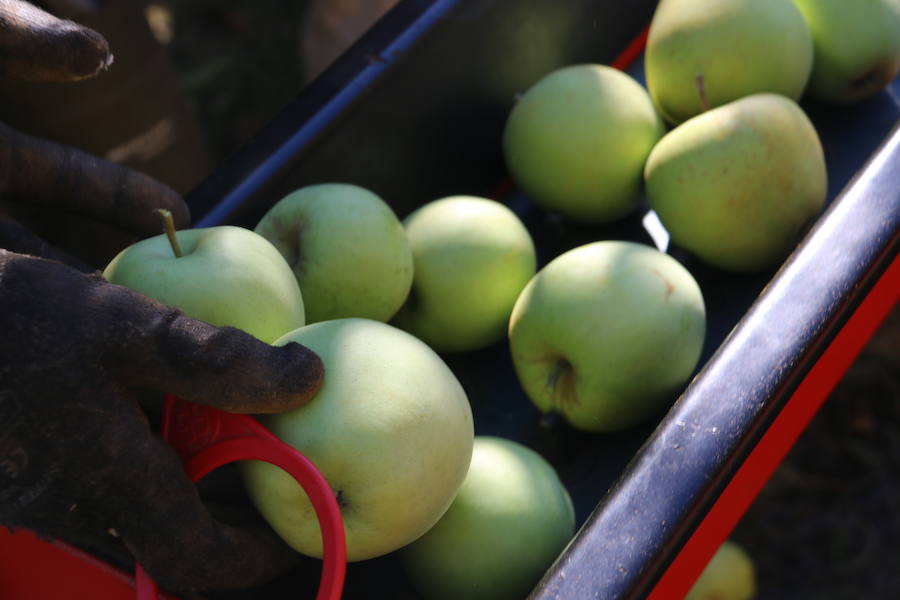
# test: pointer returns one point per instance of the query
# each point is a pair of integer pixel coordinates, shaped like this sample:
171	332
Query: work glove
79	459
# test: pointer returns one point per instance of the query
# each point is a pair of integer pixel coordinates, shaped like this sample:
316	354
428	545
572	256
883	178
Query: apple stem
169	228
701	90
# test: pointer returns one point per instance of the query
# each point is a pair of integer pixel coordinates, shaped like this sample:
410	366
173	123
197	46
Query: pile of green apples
603	334
332	267
717	143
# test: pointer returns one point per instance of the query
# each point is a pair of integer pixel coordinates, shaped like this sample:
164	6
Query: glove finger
143	343
16	237
156	346
37	46
227	368
50	174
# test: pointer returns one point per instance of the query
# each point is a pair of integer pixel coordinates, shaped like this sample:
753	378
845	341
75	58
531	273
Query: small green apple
737	185
857	47
508	523
226	276
736	47
576	142
472	257
347	248
730	575
390	429
605	333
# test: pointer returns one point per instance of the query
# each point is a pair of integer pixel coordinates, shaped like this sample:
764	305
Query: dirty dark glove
78	458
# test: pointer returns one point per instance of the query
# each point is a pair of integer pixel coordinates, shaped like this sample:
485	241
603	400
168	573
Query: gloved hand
79	460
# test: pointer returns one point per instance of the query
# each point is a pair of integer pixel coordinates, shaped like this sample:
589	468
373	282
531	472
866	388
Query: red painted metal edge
632	51
31	568
778	439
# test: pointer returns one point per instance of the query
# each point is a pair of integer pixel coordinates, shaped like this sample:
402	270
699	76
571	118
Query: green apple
857	47
391	431
347	249
735	47
508	523
605	333
576	142
472	257
730	575
738	184
226	276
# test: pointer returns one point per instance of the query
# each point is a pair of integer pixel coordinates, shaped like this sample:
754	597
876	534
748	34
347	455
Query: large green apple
738	184
736	47
857	47
472	257
390	429
226	276
730	575
508	523
605	333
347	248
576	142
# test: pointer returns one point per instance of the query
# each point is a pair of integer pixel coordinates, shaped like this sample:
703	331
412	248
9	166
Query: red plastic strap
207	438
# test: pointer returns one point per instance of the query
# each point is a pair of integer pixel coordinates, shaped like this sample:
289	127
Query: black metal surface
415	111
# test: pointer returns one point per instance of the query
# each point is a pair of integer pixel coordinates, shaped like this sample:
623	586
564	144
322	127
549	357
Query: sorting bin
415	111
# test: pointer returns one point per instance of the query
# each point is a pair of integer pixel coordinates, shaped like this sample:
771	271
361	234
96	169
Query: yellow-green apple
508	523
729	575
347	249
605	333
226	275
856	47
391	431
734	47
472	257
576	141
738	184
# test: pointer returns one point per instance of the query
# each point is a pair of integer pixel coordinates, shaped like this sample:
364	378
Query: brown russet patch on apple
670	287
872	79
289	233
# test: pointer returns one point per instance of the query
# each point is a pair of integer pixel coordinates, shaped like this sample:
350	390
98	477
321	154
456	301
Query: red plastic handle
208	438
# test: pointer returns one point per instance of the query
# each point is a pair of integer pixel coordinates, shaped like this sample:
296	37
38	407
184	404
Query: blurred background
825	526
239	62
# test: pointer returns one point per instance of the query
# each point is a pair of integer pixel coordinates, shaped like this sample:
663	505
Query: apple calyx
169	229
341	500
701	91
873	79
561	382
